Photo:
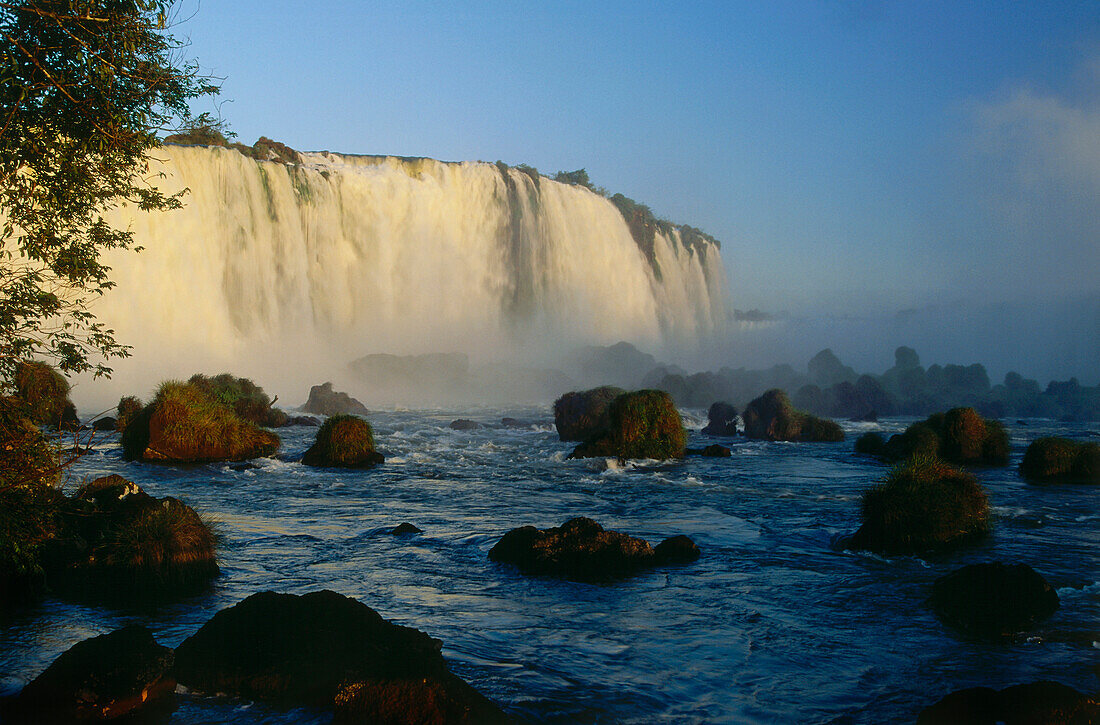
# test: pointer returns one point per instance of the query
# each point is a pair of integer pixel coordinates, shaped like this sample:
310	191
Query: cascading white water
286	273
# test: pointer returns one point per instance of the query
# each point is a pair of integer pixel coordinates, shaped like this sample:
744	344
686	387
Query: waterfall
288	272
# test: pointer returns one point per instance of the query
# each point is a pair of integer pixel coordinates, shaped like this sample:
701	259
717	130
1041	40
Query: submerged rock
323	400
579	416
721	420
993	600
641	424
772	417
464	424
324	649
344	441
99	679
583	550
1037	703
405	528
712	451
924	504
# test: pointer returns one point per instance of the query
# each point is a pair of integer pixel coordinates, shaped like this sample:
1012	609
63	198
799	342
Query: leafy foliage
84	87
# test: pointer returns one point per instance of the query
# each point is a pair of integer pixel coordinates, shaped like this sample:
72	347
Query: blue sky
849	154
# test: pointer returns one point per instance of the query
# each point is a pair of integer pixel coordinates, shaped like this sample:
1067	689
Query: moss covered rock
343	441
772	417
641	424
579	416
46	395
721	420
961	436
923	504
1036	703
184	424
1061	460
243	397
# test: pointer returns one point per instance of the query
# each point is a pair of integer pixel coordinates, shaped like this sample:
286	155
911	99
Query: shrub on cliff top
579	416
923	504
1060	459
243	397
641	424
772	417
344	441
184	424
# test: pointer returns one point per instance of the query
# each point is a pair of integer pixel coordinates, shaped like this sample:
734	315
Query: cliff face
346	255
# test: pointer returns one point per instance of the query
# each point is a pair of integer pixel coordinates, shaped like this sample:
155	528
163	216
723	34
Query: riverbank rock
184	424
343	441
323	650
993	600
641	424
579	416
1060	460
1037	703
100	679
771	417
721	420
923	504
959	436
582	550
323	400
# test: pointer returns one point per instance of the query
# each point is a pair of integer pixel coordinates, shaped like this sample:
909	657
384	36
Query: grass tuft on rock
641	424
1061	460
243	397
772	417
45	393
168	547
343	441
961	436
923	504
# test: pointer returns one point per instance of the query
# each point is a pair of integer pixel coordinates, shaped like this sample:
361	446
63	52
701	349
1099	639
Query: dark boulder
678	549
870	444
101	678
580	549
405	528
304	420
772	417
1061	460
106	423
1037	703
721	420
323	650
993	600
924	504
712	451
344	441
870	416
323	400
580	416
515	423
464	424
641	424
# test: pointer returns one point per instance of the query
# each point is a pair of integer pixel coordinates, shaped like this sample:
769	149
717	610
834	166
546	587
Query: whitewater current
289	272
772	624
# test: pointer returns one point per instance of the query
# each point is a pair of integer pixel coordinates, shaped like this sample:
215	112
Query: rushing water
771	624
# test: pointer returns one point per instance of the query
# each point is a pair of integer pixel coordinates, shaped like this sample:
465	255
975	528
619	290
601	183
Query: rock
515	423
464	424
721	420
101	679
344	441
712	451
582	550
870	444
676	550
580	416
959	436
993	600
304	420
1037	703
324	649
772	417
924	504
405	528
106	423
1061	460
870	416
184	424
642	424
323	400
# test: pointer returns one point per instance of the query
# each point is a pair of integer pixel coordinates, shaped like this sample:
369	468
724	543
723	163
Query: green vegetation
772	417
243	397
204	132
959	436
184	424
86	87
127	409
579	416
641	424
344	441
44	390
923	504
1061	460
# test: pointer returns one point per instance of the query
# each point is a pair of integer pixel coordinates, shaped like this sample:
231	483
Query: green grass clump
580	416
959	436
128	408
45	392
184	424
344	441
772	417
641	424
242	396
923	504
1061	460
